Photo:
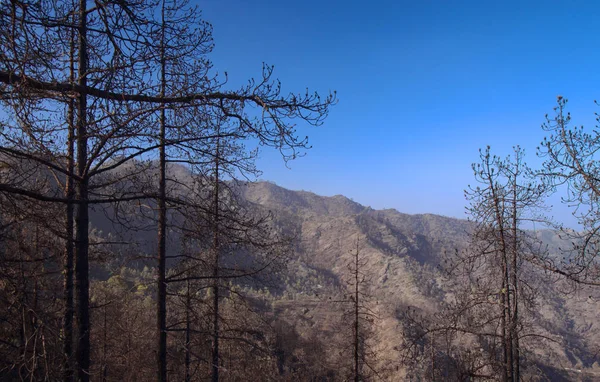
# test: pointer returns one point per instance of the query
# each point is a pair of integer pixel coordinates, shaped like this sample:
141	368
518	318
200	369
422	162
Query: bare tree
358	310
115	105
569	154
494	290
507	198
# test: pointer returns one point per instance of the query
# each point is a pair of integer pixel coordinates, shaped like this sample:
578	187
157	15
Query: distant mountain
402	255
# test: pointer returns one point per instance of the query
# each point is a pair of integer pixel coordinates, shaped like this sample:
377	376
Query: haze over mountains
403	253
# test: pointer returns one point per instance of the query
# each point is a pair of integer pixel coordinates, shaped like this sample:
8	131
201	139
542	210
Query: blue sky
422	86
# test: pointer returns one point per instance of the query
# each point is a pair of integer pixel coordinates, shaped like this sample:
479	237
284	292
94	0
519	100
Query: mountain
402	255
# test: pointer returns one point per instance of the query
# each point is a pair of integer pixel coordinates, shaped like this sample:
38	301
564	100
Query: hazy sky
422	85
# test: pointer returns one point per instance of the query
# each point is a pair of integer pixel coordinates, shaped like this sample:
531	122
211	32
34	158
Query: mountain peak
273	196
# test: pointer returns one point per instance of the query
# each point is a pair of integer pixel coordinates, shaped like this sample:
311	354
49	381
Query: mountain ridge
404	252
402	255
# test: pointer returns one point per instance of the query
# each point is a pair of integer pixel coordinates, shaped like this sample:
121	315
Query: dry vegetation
130	252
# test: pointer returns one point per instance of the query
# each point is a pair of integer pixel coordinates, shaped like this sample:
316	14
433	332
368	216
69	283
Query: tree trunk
515	248
161	303
215	344
69	250
188	304
503	333
161	314
356	308
505	292
82	218
105	344
508	321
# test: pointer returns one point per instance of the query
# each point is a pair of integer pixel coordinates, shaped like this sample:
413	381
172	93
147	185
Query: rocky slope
401	257
403	252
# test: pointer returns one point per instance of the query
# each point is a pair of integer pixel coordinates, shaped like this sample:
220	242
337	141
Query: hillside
300	305
403	254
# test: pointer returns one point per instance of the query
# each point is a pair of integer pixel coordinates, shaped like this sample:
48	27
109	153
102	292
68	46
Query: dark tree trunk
505	293
515	248
161	312
507	329
188	328
356	317
215	345
69	250
105	345
82	282
503	332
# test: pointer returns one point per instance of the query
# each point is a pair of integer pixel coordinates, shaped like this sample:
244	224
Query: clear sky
422	85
